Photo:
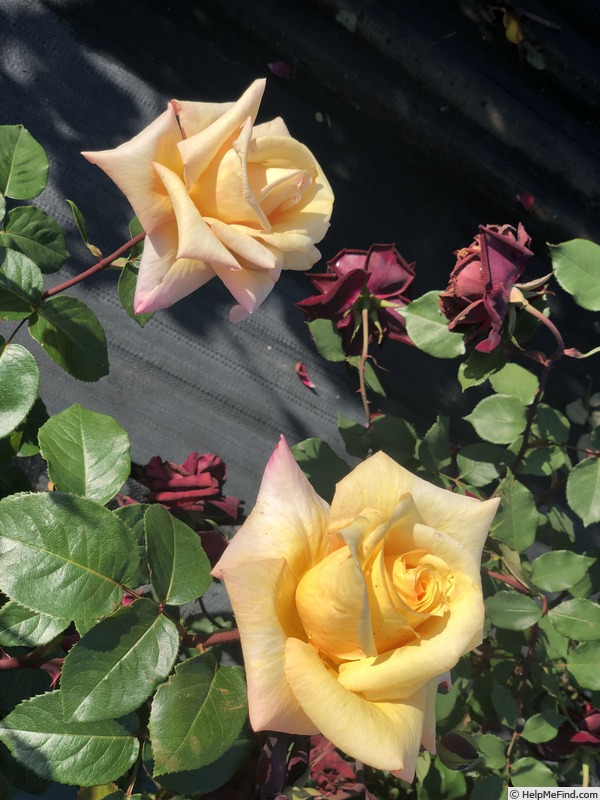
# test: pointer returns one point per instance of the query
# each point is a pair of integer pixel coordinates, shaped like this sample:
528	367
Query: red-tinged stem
33	660
102	264
508	579
15	662
202	640
560	345
361	366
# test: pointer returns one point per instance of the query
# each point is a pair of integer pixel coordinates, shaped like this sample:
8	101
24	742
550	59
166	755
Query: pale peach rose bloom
351	615
218	195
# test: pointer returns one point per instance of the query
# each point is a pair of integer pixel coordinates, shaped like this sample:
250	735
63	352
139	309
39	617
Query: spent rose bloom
218	195
351	615
195	485
476	300
378	276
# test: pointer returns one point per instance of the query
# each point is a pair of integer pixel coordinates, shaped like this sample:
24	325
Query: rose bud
351	615
477	298
378	279
219	195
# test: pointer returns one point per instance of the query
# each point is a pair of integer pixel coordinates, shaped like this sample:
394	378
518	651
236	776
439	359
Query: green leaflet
19	382
64	555
23	163
87	453
81	753
197	715
118	663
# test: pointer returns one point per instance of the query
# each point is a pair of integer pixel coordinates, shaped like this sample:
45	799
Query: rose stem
548	364
208	639
361	365
102	264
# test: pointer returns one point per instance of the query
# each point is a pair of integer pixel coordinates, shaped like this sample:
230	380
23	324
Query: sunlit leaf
118	663
478	367
515	381
518	518
71	335
515	612
87	453
428	328
21	627
179	567
197	715
559	569
63	555
530	772
327	339
576	266
434	449
481	463
578	619
498	418
583	662
21	284
583	490
19	383
542	727
86	753
23	163
35	234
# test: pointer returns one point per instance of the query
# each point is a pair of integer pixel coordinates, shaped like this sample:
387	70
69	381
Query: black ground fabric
427	121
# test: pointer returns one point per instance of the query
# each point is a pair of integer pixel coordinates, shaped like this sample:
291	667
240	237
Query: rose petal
380	483
250	287
301	260
199	150
163	278
383	735
402	671
288	521
247	247
274	127
333	602
196	241
195	117
261	593
130	167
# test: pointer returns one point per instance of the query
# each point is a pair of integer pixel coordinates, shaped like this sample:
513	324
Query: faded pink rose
476	300
218	195
378	279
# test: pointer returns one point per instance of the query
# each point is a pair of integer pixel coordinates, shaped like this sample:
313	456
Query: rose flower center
351	610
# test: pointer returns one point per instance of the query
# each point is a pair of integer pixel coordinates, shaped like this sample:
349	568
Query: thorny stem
531	412
361	365
547	364
525	667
